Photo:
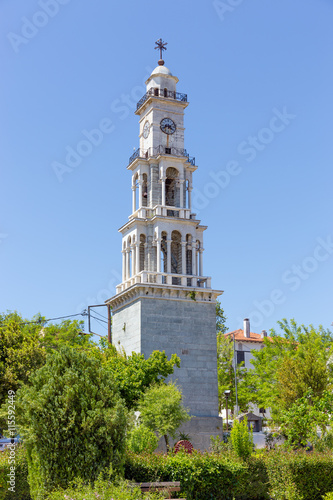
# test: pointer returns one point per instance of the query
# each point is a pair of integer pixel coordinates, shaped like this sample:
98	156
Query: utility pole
109	321
235	365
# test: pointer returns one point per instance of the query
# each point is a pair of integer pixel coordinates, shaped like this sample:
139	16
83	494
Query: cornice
163	292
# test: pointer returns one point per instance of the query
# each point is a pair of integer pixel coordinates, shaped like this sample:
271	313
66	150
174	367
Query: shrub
162	411
299	476
242	439
218	445
103	490
74	422
328	496
21	474
141	439
202	476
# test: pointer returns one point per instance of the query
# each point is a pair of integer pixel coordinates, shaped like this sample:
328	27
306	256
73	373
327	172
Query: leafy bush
202	476
141	439
218	445
74	422
21	475
162	411
242	439
103	490
274	475
299	476
328	496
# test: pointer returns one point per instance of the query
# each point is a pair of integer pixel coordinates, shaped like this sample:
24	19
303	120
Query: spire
161	46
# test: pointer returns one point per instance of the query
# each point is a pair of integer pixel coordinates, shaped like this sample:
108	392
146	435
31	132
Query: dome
161	70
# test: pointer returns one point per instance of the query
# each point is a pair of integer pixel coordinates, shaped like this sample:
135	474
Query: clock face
146	130
168	126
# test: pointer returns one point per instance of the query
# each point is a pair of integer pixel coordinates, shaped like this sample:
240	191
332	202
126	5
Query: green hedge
202	476
21	474
276	475
300	476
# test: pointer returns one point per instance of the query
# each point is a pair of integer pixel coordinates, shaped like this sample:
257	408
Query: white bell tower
164	301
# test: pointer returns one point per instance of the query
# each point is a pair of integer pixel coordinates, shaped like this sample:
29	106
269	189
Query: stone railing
182	280
160	210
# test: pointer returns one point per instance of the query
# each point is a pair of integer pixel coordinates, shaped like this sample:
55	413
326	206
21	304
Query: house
246	342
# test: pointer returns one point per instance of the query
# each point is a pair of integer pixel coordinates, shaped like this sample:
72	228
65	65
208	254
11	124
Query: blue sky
259	79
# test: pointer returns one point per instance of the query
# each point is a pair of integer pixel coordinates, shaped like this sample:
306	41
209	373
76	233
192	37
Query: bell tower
165	302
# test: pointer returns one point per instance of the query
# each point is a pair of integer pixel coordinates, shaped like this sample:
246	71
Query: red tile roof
239	336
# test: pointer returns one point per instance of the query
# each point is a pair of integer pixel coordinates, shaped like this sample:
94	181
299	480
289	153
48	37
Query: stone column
146	260
133	247
189	197
158	255
128	264
184	257
124	265
181	187
169	256
163	179
200	261
140	190
137	256
133	198
194	258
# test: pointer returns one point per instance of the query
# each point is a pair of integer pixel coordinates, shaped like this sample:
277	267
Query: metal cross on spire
161	46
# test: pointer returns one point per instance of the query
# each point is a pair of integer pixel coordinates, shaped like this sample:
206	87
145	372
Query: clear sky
259	80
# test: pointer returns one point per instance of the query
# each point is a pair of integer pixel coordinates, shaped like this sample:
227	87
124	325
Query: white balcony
181	280
160	210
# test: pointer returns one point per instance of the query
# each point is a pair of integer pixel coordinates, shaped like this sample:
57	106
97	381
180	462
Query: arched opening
144	190
176	256
164	255
136	186
172	195
129	258
165	92
156	91
189	257
187	198
197	257
142	250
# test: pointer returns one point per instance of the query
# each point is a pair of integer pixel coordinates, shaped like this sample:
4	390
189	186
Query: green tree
141	439
24	345
21	352
73	421
301	420
289	366
242	439
161	410
221	319
134	374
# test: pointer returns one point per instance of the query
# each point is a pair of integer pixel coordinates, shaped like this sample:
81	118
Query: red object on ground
186	445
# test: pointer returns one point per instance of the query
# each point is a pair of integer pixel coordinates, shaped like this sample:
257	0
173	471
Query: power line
41	320
99	314
98	319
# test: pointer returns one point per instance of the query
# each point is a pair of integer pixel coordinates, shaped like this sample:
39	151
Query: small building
254	422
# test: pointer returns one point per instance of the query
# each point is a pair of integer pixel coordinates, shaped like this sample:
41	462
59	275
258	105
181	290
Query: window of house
240	357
